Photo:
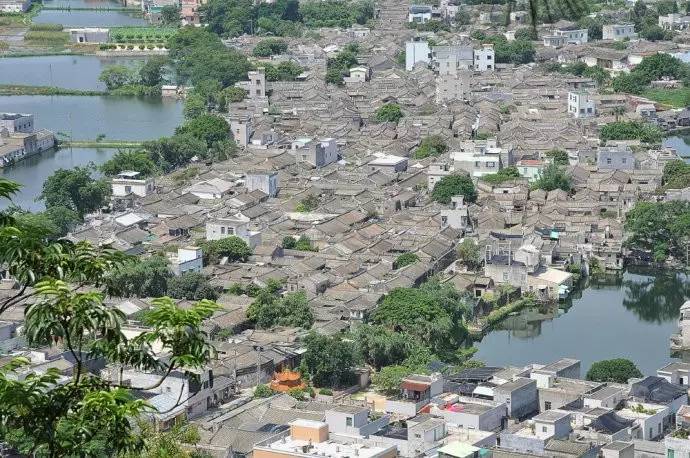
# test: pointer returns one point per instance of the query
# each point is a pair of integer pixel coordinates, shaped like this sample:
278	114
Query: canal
95	18
630	315
70	72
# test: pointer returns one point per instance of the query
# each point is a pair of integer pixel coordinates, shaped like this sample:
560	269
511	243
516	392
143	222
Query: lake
89	18
84	117
71	72
83	3
32	172
680	143
626	316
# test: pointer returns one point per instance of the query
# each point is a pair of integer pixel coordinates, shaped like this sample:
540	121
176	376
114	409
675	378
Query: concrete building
530	168
14	6
127	182
581	105
212	189
265	181
674	21
236	225
89	35
618	449
241	127
416	52
481	157
388	163
677	373
436	172
358	75
618	157
573	36
419	14
449	60
471	413
416	391
188	259
257	83
532	437
17	122
458	216
485	58
619	32
318	153
519	395
554	41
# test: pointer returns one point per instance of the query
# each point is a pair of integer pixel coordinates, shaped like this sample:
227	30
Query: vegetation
339	66
46	416
263	391
617	370
433	145
329	361
676	97
503	175
136	160
390	112
676	174
500	314
207	127
284	71
146	278
232	247
469	253
76	190
124	80
597	73
454	185
20	89
553	177
303	243
660	227
631	130
46	37
518	51
269	309
309	203
651	68
270	47
405	259
558	157
389	378
192	286
141	34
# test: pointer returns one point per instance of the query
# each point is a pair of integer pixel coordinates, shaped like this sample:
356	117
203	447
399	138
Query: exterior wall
405	408
577	37
618	32
308	433
521	401
486	421
338	421
216	230
325	153
580	105
514	274
241	128
268	183
416	52
257	83
89	35
484	59
23	124
532	445
122	187
615	160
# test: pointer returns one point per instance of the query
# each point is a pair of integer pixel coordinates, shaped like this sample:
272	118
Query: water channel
94	18
630	315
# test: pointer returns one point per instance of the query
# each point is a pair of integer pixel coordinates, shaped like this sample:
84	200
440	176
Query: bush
46	27
270	47
326	392
454	185
390	112
433	145
405	259
47	37
617	370
263	391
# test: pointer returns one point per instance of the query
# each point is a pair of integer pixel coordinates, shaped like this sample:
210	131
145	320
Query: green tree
269	309
136	160
233	247
206	127
553	177
170	15
234	94
194	106
505	174
389	378
270	47
433	145
141	278
263	391
191	286
329	361
151	73
380	346
661	227
63	219
405	259
631	130
676	174
390	112
116	76
558	157
469	253
454	185
617	370
284	71
76	190
526	33
172	152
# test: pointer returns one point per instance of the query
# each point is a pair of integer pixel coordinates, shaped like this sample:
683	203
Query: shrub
390	112
263	391
405	259
46	27
617	370
454	185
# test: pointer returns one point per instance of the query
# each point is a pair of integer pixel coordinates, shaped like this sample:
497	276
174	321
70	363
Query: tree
405	259
307	204
170	15
553	177
233	247
390	112
234	94
389	378
172	152
617	370
631	130
505	174
151	73
469	253
454	185
141	278
269	310
270	47
116	76
284	71
263	391
63	219
84	415
194	106
191	286
661	227
135	160
329	360
76	190
676	174
206	127
380	346
433	145
526	33
558	157
433	313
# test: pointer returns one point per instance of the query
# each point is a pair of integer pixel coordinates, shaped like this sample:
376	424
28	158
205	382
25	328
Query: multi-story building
619	32
581	105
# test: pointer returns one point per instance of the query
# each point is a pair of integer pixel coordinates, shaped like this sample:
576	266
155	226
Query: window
543	429
128	189
624	160
505	276
222	230
608	160
348	421
547	405
670	453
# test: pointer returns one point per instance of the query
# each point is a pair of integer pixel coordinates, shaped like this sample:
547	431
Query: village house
674	21
234	225
318	153
581	105
619	32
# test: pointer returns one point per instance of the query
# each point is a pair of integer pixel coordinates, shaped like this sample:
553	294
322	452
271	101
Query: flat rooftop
12	116
551	416
604	393
329	448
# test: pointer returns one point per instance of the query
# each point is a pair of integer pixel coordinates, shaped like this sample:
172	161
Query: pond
90	18
32	172
631	315
70	72
681	143
84	117
83	4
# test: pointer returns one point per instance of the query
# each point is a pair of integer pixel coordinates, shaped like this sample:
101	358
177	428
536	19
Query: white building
581	105
480	157
388	163
554	41
484	58
357	75
573	36
619	32
127	183
267	182
318	153
436	172
458	216
215	188
449	60
530	168
14	6
188	259
674	21
416	52
241	127
419	14
17	122
235	225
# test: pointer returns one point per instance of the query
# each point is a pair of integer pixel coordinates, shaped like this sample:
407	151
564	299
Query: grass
46	27
19	89
676	98
99	144
46	37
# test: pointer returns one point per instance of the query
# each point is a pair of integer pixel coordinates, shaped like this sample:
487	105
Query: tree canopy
433	145
661	227
192	286
617	370
270	309
75	189
233	247
631	130
454	185
676	174
270	47
390	112
136	160
207	127
329	360
553	177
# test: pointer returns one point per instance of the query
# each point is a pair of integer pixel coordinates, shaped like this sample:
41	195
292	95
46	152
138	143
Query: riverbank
487	323
19	89
99	144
